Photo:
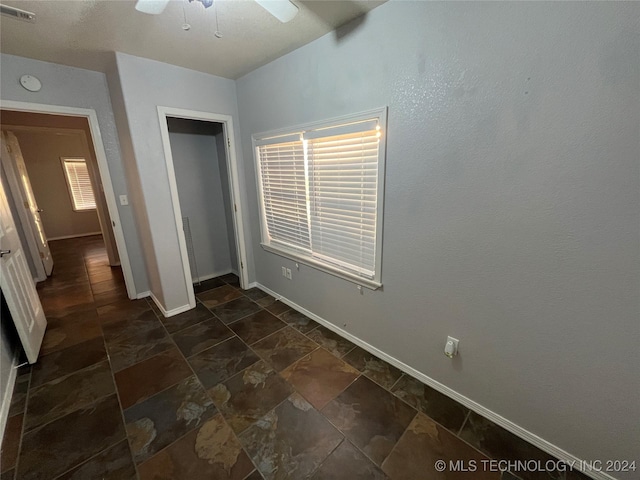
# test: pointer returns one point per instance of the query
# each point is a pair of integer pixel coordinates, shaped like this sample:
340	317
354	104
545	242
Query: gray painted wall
75	87
199	180
42	152
144	85
511	208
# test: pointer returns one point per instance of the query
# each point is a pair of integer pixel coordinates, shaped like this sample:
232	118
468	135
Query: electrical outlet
288	275
451	347
284	272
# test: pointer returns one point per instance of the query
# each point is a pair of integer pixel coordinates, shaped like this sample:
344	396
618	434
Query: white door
14	166
17	285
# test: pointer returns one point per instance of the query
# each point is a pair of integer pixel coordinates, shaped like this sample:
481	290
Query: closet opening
203	177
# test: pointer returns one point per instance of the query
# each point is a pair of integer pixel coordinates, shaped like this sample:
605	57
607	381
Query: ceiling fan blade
152	7
283	10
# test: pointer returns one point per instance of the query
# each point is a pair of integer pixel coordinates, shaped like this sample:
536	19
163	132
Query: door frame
103	169
234	188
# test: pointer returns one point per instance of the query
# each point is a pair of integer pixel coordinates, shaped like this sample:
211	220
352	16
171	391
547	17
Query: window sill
370	284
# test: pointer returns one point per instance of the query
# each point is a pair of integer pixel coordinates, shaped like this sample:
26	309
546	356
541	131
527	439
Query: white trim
234	184
214	275
142	295
517	430
78	235
6	400
172	312
103	168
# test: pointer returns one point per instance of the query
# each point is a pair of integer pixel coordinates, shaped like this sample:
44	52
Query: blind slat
79	183
320	194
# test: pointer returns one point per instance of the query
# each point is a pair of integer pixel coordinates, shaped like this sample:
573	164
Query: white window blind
284	193
343	186
321	195
79	183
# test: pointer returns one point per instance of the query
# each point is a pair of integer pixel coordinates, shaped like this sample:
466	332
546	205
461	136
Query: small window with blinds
79	183
321	192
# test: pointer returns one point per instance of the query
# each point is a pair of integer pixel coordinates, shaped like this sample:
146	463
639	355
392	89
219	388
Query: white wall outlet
284	272
451	347
124	200
288	273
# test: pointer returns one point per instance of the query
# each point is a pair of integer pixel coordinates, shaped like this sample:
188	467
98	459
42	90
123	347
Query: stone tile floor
242	387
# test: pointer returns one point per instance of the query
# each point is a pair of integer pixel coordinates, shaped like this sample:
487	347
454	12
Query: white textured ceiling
84	33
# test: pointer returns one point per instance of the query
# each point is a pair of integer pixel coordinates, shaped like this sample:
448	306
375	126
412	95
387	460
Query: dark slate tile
232	279
135	325
69	360
320	377
347	462
210	452
109	285
235	310
114	463
496	442
122	310
509	476
218	296
331	341
444	410
372	367
371	417
246	397
72	318
265	301
11	442
299	321
19	395
8	475
46	454
186	319
423	444
277	308
256	326
67	299
124	352
66	394
68	335
207	285
150	376
206	334
255	294
160	420
107	298
218	363
284	347
255	475
290	441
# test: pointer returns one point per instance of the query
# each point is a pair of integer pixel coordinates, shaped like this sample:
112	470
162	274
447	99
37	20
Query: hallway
242	387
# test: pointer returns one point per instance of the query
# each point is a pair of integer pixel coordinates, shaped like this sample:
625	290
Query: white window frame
379	114
63	160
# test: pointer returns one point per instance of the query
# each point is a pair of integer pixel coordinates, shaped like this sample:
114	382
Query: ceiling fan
283	10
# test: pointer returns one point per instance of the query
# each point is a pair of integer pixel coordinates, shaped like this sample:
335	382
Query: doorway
54	169
203	179
34	119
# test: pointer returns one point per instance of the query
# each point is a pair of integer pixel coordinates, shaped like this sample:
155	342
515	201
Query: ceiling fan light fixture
283	10
152	7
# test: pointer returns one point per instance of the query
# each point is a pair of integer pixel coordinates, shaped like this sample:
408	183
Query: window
321	189
79	183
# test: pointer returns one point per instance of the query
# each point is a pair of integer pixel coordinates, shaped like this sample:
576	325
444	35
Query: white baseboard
214	275
143	295
65	237
508	425
6	400
172	312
